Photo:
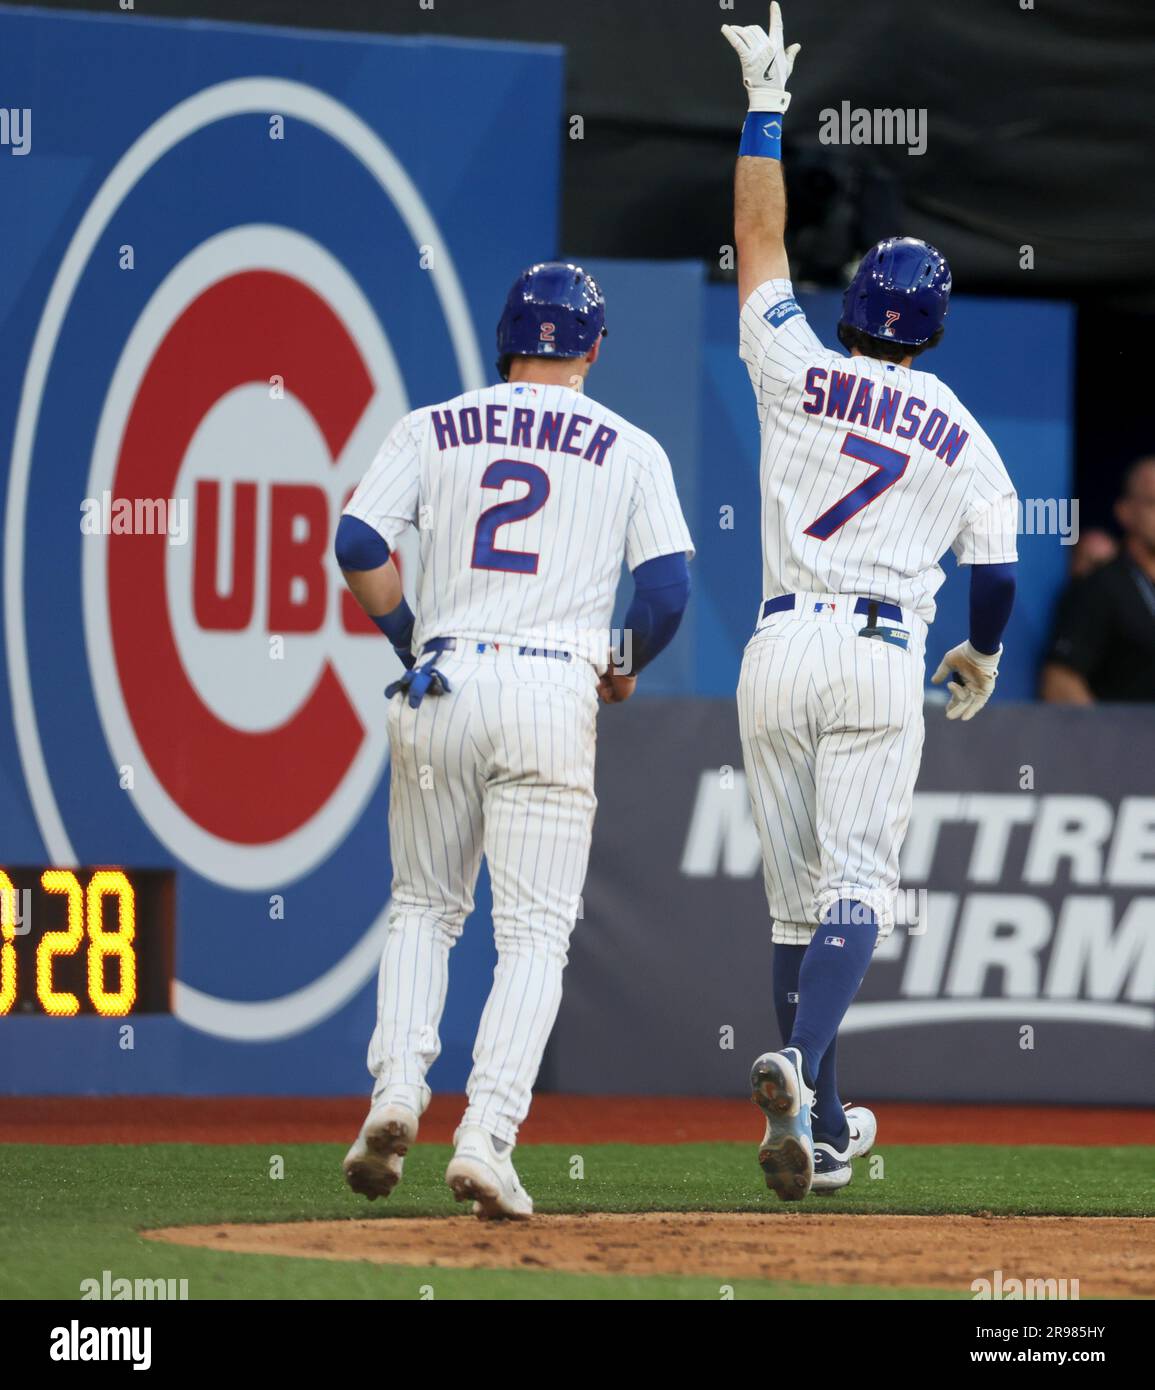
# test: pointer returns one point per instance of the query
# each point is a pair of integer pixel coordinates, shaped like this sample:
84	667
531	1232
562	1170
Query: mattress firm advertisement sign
1023	968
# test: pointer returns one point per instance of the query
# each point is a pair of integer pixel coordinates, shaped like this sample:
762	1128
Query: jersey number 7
889	465
486	555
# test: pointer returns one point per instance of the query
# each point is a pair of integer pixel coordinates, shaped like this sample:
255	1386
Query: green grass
67	1213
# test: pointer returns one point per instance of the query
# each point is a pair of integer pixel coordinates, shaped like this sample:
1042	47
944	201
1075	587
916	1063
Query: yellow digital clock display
85	941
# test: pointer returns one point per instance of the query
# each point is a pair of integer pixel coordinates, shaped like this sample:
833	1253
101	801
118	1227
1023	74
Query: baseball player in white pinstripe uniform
527	497
870	471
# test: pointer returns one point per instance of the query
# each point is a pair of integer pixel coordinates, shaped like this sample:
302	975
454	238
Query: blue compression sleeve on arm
397	625
358	546
992	598
661	592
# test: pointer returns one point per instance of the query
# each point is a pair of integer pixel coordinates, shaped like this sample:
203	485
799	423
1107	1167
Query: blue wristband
762	135
397	625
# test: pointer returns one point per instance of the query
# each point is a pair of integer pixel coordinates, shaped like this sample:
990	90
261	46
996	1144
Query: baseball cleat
373	1165
479	1173
786	1155
832	1170
863	1129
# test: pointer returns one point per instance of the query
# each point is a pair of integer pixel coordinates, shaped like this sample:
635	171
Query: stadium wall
319	184
1023	967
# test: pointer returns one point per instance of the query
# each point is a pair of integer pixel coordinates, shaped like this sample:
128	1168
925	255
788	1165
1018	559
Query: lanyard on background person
1145	586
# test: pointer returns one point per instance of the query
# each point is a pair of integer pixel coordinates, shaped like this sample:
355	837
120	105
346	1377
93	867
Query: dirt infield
554	1120
1111	1257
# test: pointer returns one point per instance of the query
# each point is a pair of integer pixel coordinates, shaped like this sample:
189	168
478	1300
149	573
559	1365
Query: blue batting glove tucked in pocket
419	682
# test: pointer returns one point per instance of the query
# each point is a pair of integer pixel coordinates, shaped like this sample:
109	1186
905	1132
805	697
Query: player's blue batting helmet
554	310
900	291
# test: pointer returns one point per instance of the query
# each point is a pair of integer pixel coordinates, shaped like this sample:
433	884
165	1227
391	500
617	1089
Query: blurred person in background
1093	549
1103	646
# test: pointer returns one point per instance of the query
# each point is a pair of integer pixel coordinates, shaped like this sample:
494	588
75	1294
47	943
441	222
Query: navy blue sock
829	1120
787	964
832	970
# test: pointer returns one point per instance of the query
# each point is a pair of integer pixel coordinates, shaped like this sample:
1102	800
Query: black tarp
1041	125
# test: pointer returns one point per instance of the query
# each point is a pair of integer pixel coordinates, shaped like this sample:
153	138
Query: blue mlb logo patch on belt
778	313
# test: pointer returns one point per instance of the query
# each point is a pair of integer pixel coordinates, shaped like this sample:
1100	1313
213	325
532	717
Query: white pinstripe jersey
527	498
870	472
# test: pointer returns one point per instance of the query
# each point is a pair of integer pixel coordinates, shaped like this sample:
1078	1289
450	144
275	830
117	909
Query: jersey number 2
486	555
889	465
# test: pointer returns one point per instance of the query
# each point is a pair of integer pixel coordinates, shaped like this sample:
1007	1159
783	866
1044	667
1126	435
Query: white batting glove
766	62
978	673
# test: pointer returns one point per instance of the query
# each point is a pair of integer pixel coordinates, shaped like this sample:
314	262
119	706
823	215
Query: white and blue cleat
786	1155
832	1167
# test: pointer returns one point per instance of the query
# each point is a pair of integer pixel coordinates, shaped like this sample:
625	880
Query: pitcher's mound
1110	1257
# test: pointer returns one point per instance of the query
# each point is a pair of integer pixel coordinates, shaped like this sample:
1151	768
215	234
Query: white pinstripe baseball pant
832	731
503	763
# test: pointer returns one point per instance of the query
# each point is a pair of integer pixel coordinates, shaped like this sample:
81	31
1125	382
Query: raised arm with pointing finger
759	189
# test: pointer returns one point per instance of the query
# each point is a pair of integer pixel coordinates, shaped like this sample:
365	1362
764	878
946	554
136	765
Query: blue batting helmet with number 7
900	292
553	310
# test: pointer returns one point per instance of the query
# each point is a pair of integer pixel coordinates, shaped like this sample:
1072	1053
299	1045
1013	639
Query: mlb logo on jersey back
825	607
835	941
777	314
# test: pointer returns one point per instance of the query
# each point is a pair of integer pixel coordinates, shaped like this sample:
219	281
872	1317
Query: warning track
554	1120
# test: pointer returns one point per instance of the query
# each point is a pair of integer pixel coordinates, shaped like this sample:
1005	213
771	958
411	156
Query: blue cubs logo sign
214	367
